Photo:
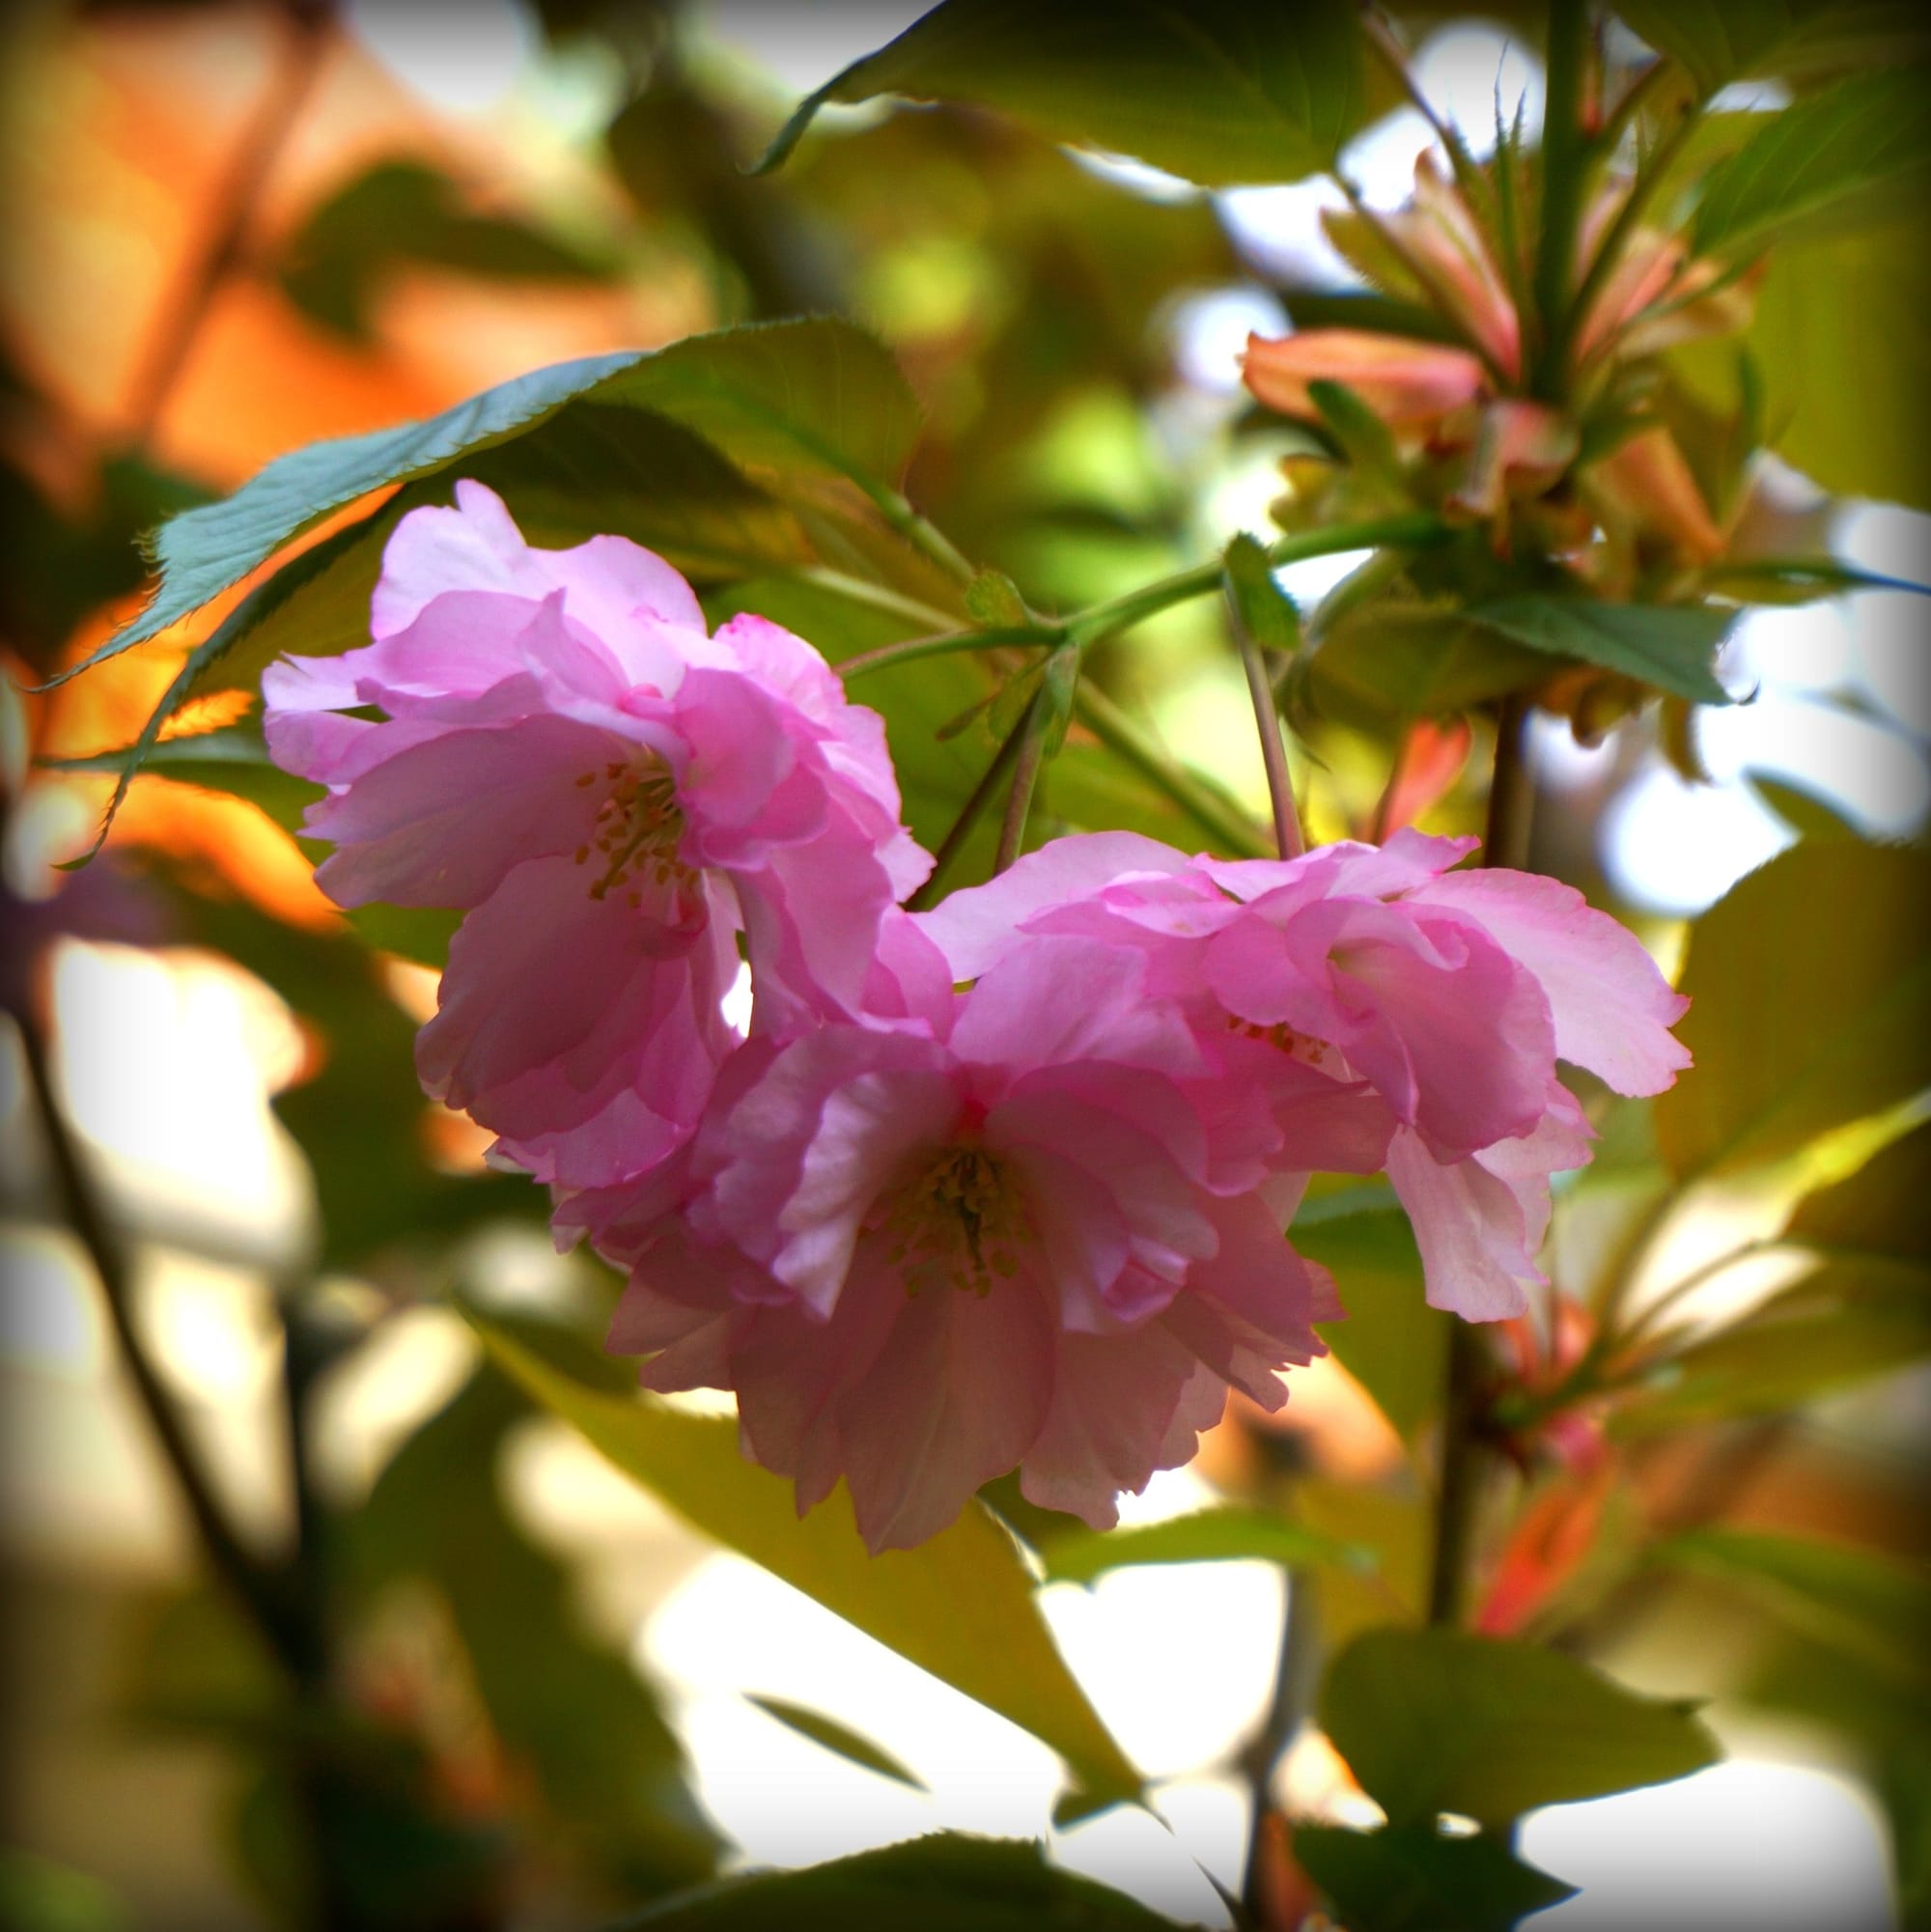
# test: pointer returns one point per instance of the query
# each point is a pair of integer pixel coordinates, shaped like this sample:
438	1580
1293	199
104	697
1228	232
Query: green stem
1287	835
1213	813
1296	1672
1100	621
920	532
1564	159
1505	843
1025	775
971	812
944	644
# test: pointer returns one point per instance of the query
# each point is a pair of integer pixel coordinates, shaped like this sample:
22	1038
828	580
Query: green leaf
1840	336
402	211
1431	1721
816	397
1807	814
1883	1210
1669	646
1870	1606
1392	1342
1808	983
1207	1537
949	1882
1866	140
960	1605
1220	91
839	1738
1267	610
39	1895
1392	661
1721	41
1411	1879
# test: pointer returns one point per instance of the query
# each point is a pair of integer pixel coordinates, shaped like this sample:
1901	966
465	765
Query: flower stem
1027	761
920	532
971	812
1505	843
1564	161
944	644
1287	835
1100	621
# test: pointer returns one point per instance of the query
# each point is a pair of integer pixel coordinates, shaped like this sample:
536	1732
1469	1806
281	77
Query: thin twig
252	1589
299	63
1295	1673
910	649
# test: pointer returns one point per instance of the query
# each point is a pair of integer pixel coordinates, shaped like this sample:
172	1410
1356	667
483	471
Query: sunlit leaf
839	1738
1207	1537
1808	983
1431	1721
1669	646
1412	1879
1883	1210
946	1883
960	1604
814	396
1871	1605
1839	335
1219	92
1828	158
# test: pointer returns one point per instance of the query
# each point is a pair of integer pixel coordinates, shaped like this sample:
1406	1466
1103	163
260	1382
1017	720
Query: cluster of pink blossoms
998	1185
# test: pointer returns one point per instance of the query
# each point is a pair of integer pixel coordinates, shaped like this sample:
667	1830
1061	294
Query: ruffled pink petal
1116	1399
1471	1228
1611	1006
977	927
956	1397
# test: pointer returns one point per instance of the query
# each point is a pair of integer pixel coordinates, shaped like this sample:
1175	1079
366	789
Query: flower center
1284	1038
959	1224
638	830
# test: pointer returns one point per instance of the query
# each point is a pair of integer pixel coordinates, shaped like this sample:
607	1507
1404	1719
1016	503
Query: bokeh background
233	229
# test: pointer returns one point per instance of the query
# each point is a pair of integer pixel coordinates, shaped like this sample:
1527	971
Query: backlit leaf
960	1604
1431	1721
1219	91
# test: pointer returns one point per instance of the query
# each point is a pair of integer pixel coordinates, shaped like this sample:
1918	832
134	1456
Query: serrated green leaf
960	1604
1220	91
816	397
1670	646
1207	1537
1722	40
1392	1342
1869	1606
1432	1720
949	1882
1412	1879
1863	141
1809	983
838	1739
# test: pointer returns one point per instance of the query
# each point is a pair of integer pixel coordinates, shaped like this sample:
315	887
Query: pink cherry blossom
1449	996
1002	1238
610	794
